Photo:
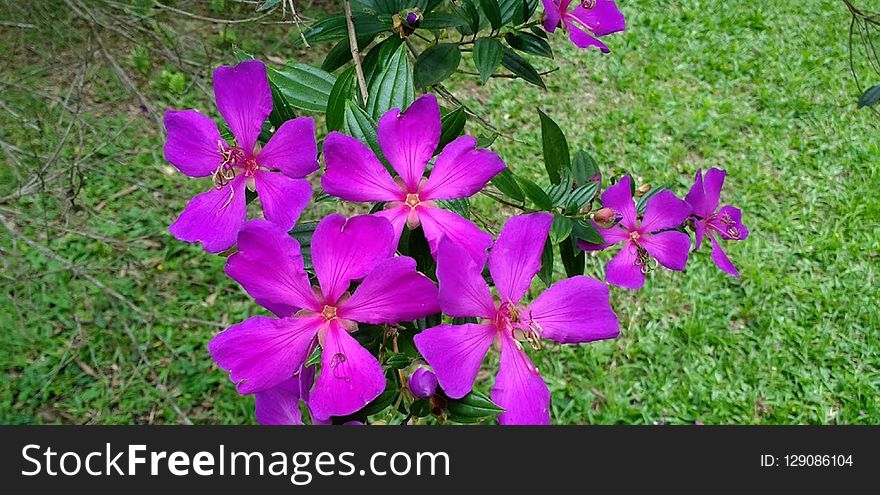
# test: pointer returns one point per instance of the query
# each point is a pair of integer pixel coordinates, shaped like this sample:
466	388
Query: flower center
516	319
329	312
726	219
634	236
412	200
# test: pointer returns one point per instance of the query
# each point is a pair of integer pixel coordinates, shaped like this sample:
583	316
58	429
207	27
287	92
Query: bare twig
355	55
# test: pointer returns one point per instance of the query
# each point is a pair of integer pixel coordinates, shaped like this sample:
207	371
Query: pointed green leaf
585	231
361	126
506	183
488	53
583	167
561	229
452	127
573	258
555	146
303	86
467	11
870	97
392	87
340	54
529	43
472	408
521	68
546	271
342	91
436	64
536	194
492	11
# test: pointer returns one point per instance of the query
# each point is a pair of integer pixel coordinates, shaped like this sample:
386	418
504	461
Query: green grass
762	92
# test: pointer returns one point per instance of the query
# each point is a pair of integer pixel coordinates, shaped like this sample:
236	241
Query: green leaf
334	28
529	43
392	87
315	358
436	64
488	53
342	92
486	140
642	202
441	21
384	400
511	10
459	205
585	231
340	54
870	97
546	272
268	4
583	167
398	361
555	147
579	198
378	57
472	408
492	11
506	182
303	86
453	126
420	408
573	258
521	68
281	111
361	126
467	11
536	194
559	193
561	229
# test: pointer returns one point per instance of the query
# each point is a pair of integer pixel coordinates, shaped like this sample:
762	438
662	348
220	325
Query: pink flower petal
619	198
713	182
213	218
575	310
397	215
343	251
282	197
696	197
461	170
551	15
721	259
350	376
463	292
244	99
438	223
193	143
699	232
516	256
408	139
669	248
601	19
292	149
354	173
519	388
455	353
581	38
622	270
391	293
279	405
261	352
664	211
269	266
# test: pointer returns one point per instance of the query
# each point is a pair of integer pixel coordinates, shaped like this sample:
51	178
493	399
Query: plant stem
355	56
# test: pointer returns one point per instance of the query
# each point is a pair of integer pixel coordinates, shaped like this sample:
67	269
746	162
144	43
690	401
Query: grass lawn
764	92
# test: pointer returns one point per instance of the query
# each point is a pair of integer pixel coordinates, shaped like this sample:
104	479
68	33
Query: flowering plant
390	314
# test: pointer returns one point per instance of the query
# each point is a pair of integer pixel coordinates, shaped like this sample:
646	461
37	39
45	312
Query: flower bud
604	215
642	190
423	383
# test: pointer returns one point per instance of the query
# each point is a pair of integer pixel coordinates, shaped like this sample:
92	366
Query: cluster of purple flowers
358	279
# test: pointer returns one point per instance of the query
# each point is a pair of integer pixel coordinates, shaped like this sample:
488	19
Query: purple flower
262	352
709	220
590	19
408	140
276	172
645	240
422	383
279	405
573	310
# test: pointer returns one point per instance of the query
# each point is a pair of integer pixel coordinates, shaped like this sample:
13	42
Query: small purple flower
276	171
262	352
574	310
704	197
422	383
408	140
643	240
586	22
